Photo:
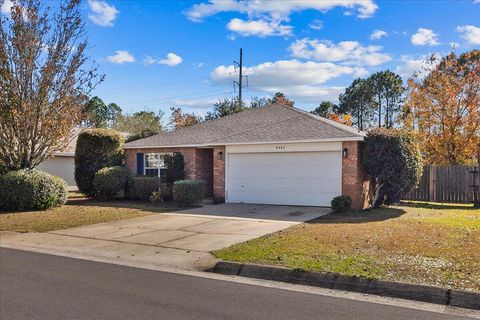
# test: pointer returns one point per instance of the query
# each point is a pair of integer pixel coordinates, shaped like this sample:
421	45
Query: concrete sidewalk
181	240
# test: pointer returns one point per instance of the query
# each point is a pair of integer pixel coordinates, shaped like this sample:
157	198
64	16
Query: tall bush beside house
392	159
175	167
110	183
31	189
96	149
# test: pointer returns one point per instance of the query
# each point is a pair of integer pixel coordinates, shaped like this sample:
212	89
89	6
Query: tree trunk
378	195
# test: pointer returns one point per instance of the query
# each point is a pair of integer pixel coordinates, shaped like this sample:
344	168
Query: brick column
219	174
355	181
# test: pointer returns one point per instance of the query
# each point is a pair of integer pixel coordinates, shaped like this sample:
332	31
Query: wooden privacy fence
445	184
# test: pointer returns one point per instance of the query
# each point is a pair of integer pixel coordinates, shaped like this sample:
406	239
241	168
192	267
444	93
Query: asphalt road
39	286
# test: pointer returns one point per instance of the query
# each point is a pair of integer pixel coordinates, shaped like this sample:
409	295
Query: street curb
445	296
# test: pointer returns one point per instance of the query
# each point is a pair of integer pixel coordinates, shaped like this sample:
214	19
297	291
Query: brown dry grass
420	243
78	211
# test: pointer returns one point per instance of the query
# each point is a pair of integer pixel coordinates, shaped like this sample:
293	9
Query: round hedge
96	149
188	193
31	189
110	182
341	204
393	161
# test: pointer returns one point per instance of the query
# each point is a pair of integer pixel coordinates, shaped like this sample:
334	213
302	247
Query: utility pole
239	83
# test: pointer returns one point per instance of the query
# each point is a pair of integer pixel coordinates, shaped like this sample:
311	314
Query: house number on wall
279	147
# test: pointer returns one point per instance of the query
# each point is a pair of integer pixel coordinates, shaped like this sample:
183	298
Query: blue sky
156	54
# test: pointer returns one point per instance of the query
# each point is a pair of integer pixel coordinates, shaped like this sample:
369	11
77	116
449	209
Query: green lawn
78	211
423	243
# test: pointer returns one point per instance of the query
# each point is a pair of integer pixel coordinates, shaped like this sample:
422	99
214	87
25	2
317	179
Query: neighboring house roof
69	151
274	123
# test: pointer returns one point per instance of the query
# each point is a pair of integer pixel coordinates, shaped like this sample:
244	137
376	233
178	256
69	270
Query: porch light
345	152
220	155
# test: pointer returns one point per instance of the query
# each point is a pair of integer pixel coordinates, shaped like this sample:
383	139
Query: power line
166	84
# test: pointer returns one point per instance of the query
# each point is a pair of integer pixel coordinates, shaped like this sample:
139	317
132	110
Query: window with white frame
154	165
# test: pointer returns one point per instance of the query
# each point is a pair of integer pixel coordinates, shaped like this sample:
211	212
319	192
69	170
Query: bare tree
43	82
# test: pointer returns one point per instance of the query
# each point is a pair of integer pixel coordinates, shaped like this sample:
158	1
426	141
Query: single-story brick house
272	155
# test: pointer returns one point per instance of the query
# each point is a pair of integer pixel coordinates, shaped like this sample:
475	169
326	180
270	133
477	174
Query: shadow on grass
437	206
380	214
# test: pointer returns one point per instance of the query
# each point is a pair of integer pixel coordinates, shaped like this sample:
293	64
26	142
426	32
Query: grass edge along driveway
78	211
421	243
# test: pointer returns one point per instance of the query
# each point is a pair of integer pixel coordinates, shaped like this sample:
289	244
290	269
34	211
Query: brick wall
355	182
219	174
205	165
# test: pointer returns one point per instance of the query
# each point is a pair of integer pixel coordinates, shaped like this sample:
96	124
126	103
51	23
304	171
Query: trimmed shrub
341	204
174	167
141	188
188	193
96	149
392	159
31	189
110	182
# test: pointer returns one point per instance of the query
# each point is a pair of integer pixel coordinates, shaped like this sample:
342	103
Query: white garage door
296	178
62	167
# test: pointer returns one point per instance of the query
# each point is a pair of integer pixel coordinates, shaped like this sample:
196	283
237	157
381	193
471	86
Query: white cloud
297	79
265	18
425	37
470	33
195	103
6	6
150	60
260	28
277	9
171	60
417	66
316	24
121	56
378	34
283	72
347	52
102	13
476	1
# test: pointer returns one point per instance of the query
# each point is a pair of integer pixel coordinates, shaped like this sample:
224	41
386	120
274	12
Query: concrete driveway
182	239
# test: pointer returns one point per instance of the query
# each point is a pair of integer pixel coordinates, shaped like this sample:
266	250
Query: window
154	165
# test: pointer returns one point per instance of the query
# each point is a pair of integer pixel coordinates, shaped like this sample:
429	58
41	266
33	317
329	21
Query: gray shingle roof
270	124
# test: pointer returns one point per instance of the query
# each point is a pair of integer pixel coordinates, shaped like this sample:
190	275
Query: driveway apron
181	240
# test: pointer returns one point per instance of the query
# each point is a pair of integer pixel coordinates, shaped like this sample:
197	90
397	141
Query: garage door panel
285	158
280	184
301	178
316	171
282	198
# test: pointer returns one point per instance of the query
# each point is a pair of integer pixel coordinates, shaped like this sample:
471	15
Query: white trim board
206	145
285	147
